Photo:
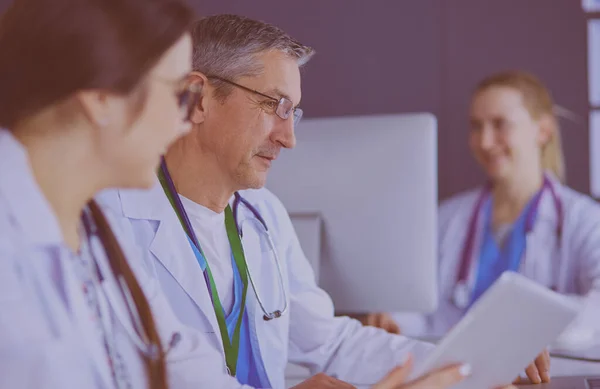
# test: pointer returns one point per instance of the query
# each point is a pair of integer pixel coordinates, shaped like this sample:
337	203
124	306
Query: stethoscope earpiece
273	315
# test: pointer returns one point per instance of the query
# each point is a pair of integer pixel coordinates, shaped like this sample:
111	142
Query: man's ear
199	112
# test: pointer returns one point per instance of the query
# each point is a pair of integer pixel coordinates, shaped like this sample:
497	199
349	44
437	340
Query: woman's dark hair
51	49
156	369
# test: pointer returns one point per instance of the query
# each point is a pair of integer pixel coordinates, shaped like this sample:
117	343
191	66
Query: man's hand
539	370
379	320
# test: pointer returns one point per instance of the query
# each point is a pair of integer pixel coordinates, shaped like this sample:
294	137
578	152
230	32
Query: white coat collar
170	245
547	211
30	208
144	204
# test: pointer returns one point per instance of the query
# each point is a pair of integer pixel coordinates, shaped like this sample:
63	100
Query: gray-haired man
223	247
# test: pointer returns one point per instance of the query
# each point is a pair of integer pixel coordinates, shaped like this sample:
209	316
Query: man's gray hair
226	46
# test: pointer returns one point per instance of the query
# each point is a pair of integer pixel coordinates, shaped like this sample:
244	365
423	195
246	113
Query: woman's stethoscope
136	334
461	296
257	220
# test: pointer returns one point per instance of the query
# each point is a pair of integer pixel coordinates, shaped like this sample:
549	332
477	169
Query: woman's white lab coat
308	334
41	342
47	339
570	266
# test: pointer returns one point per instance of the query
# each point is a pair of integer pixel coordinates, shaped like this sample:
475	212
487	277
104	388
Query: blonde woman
524	218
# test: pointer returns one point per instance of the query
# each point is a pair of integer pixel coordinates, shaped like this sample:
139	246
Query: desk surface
590	354
558	383
560	368
574	382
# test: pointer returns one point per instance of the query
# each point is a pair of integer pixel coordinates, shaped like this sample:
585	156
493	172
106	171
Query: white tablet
503	332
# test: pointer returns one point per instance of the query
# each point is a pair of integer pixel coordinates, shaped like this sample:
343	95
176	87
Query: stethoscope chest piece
461	296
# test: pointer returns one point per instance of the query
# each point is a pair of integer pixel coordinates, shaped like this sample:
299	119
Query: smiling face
505	138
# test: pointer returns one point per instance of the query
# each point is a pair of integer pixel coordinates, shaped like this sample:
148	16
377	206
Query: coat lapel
540	258
170	246
266	335
252	243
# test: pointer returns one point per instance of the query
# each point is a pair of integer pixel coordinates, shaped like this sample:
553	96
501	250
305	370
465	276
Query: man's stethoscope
258	220
461	296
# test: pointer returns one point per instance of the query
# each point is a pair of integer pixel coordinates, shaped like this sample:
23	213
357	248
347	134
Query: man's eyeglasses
187	94
188	97
282	107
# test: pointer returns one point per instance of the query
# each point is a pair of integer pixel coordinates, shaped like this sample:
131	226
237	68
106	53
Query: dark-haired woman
92	92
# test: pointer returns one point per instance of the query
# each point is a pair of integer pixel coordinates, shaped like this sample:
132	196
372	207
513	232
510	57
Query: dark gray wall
425	55
381	56
548	38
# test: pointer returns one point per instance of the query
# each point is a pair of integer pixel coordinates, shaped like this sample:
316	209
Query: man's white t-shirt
210	230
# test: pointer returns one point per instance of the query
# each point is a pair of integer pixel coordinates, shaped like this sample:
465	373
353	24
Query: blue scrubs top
249	366
250	369
495	258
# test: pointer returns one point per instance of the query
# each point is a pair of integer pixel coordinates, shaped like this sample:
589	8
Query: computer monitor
372	181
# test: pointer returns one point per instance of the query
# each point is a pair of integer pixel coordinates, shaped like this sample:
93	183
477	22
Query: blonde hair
538	101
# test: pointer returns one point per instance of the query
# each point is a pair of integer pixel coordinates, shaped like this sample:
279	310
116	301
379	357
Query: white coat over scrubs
308	334
570	266
47	339
43	342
